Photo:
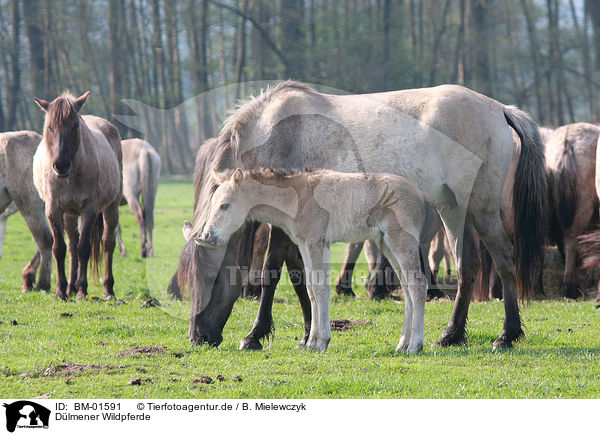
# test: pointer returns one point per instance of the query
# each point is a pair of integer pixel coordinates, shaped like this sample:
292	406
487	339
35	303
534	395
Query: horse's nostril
206	235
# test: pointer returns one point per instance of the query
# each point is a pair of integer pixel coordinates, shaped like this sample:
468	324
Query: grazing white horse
319	208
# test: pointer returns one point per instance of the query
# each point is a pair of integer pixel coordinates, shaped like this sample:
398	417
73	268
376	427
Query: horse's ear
80	101
43	104
237	178
187	230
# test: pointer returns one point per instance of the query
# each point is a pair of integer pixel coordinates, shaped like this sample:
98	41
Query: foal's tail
529	200
96	242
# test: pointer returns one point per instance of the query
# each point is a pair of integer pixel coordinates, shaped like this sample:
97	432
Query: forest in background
541	55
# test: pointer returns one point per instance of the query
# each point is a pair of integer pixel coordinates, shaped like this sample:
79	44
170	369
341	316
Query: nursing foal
319	208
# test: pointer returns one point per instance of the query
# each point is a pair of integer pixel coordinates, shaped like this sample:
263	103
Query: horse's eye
225	206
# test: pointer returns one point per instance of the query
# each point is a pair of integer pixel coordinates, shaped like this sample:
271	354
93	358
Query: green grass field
87	349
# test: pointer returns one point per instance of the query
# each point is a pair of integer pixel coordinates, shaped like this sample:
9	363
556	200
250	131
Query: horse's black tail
96	246
529	201
564	186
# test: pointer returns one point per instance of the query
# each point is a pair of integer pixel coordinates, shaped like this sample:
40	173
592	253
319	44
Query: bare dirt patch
203	380
345	324
71	369
144	350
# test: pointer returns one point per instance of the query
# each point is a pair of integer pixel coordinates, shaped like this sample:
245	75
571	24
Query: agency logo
27	415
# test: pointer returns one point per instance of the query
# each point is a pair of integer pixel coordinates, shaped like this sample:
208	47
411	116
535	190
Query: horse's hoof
343	290
26	289
43	287
572	291
435	293
317	345
250	344
81	295
415	349
109	296
61	295
502	344
451	339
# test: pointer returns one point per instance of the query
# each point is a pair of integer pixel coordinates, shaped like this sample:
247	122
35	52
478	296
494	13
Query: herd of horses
293	171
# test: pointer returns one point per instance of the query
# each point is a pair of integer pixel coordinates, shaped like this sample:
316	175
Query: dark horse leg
72	242
295	267
89	222
380	280
571	285
343	283
252	288
59	250
498	244
111	220
278	252
466	269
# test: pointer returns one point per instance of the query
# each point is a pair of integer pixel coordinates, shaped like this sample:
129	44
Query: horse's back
110	132
16	164
107	148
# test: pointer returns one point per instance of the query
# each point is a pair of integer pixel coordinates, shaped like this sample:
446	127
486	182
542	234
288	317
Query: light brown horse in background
141	169
589	244
78	172
17	192
571	168
571	156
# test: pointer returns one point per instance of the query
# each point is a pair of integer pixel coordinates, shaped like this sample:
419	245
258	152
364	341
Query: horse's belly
355	233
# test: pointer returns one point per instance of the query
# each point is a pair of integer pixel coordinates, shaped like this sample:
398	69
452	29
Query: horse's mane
228	142
263	174
247	111
62	110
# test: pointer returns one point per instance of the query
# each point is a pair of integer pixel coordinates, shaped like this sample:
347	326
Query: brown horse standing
77	170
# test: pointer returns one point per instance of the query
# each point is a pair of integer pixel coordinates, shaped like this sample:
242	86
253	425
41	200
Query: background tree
543	55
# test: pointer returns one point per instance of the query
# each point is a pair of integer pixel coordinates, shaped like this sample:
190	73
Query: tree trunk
14	85
241	50
291	23
480	45
534	50
33	23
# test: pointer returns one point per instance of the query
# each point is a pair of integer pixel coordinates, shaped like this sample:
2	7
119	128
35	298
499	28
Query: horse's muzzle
207	239
62	172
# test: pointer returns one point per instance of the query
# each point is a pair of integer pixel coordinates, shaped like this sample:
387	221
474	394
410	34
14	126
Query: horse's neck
275	203
272	215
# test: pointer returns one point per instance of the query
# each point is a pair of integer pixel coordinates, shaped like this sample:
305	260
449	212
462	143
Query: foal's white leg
316	260
404	257
408	316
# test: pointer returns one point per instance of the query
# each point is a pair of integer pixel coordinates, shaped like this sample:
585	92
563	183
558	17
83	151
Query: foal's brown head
61	130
